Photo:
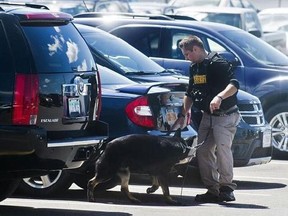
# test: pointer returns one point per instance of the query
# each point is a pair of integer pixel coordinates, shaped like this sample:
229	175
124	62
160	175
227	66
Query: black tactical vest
203	89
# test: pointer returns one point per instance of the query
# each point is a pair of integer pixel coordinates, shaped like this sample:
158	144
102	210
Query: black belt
225	112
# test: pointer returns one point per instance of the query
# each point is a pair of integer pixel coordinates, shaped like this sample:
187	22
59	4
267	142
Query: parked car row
126	60
60	86
260	68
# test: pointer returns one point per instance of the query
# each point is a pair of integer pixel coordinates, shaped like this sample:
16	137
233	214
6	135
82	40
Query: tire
7	187
277	116
47	185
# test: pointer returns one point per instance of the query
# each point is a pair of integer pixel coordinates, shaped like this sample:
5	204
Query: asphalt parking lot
262	190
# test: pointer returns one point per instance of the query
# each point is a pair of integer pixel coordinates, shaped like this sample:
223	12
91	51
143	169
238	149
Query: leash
196	147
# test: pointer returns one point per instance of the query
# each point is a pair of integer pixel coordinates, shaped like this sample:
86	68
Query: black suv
49	95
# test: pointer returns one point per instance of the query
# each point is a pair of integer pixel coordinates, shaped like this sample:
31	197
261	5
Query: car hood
243	97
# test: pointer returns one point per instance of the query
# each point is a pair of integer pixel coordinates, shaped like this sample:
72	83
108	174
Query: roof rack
38	6
131	15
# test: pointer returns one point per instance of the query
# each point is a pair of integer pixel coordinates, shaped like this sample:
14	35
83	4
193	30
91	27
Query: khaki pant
215	157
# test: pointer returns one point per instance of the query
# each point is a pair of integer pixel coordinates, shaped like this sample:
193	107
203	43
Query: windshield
257	48
225	18
124	56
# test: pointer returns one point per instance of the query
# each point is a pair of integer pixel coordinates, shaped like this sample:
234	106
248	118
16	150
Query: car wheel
46	185
277	116
7	187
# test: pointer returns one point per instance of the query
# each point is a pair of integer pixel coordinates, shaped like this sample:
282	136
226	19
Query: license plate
267	139
74	107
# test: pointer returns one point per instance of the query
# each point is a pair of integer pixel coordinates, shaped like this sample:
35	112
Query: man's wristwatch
221	98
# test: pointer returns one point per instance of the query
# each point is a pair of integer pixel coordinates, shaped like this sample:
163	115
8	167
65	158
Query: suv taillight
139	112
26	99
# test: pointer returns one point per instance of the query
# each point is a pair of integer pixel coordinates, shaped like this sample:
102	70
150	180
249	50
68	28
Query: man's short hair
189	42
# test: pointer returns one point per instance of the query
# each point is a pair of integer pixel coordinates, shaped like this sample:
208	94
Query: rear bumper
26	151
251	145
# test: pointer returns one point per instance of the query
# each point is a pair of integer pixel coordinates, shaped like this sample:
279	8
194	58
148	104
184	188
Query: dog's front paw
151	189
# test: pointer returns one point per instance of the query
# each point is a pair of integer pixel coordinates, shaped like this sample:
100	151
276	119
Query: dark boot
207	198
226	194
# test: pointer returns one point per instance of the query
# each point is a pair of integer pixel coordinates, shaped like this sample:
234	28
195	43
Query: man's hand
215	103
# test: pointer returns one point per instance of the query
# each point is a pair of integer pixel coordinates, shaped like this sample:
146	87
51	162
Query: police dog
153	155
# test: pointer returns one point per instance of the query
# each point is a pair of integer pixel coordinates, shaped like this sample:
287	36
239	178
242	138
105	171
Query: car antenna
87	9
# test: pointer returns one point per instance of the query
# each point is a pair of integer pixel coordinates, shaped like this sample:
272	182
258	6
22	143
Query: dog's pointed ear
178	133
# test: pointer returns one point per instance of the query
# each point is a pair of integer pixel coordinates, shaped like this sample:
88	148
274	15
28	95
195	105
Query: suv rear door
67	79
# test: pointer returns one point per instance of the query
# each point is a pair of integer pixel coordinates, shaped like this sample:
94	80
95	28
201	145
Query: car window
251	22
109	77
184	3
178	34
236	3
225	18
146	40
58	49
125	56
176	38
257	49
214	46
5	55
6	65
248	4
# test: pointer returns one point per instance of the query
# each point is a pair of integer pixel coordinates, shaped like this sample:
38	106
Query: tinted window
58	49
6	64
256	48
183	3
225	18
109	77
251	22
248	4
236	3
146	40
177	35
6	73
123	55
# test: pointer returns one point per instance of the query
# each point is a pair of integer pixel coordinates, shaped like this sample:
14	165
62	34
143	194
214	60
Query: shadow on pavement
117	198
27	211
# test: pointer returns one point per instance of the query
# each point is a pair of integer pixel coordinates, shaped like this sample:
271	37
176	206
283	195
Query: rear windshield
58	49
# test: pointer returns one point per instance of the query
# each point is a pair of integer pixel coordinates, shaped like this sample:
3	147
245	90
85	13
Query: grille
252	114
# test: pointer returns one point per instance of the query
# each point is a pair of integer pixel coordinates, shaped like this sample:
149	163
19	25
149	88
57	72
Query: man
212	89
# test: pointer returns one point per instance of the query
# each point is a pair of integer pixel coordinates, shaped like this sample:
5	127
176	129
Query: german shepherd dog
138	153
